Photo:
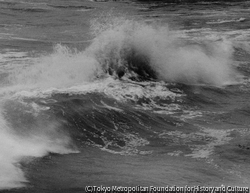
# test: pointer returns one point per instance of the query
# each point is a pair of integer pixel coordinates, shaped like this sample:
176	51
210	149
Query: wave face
137	89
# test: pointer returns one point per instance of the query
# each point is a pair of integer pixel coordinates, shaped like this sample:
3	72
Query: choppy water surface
178	114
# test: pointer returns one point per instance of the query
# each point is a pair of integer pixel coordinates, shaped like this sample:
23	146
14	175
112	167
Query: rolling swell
128	126
96	119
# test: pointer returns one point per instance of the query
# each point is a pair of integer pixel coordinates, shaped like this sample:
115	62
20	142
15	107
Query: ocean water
123	93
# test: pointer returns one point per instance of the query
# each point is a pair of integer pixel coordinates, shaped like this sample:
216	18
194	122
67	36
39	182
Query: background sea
179	114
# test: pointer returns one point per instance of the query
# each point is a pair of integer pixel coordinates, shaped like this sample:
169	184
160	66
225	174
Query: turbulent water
123	93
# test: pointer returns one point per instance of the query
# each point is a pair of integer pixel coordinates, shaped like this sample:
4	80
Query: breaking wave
127	61
137	51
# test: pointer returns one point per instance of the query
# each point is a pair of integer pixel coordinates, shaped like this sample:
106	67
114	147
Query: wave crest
154	52
136	50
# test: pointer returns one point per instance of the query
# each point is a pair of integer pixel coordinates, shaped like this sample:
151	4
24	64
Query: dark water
123	94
